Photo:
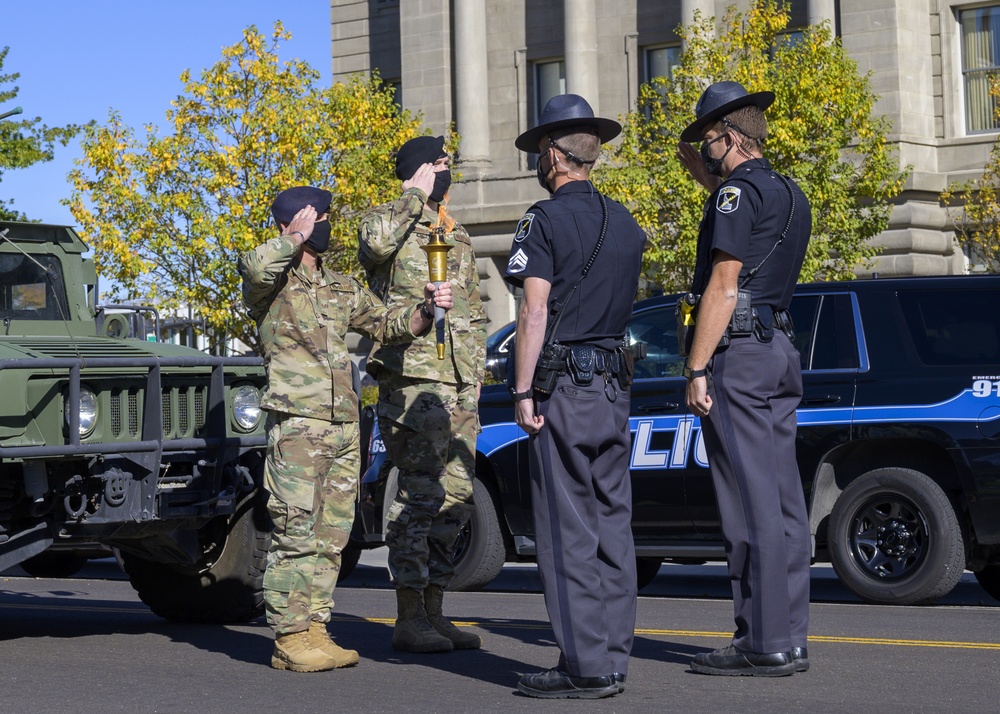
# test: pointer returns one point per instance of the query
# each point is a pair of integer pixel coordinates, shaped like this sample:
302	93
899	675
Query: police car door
664	434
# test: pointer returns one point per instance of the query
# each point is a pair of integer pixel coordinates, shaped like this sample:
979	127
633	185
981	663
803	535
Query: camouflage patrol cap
294	199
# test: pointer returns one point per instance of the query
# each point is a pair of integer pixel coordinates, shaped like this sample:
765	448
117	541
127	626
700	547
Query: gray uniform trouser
750	437
582	501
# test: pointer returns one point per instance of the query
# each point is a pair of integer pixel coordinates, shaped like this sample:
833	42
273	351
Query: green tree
168	215
976	202
821	132
26	142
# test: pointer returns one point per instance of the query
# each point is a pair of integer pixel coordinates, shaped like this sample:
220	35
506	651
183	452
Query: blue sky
80	58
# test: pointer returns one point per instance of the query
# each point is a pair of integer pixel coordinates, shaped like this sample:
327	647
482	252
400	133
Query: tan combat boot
321	638
298	652
413	633
433	599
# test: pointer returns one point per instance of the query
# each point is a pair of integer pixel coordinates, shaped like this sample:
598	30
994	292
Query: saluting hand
422	179
302	225
692	161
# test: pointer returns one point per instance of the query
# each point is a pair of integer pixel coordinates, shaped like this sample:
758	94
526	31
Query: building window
660	62
980	58
550	81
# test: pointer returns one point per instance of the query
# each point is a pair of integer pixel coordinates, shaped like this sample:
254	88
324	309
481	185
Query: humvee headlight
88	411
246	406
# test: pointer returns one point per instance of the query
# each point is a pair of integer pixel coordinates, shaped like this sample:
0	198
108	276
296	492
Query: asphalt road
86	644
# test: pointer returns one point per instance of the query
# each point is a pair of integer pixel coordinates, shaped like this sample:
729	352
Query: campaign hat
566	110
719	100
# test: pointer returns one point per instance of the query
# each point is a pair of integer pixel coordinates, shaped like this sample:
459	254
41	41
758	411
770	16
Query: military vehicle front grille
182	408
125	412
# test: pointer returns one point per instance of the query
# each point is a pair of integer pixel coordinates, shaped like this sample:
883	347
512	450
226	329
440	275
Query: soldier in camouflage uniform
302	311
428	412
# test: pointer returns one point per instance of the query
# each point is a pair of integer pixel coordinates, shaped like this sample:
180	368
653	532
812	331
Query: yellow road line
499	624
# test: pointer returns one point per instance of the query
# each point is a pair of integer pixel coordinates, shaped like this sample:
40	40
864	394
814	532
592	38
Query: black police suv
898	444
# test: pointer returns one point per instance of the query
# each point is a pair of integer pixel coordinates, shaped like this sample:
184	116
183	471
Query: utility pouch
626	357
783	321
685	312
763	325
581	364
741	324
550	366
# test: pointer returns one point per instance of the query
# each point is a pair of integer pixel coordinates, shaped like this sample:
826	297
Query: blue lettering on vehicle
688	441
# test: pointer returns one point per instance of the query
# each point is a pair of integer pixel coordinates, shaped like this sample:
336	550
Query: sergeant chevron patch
518	262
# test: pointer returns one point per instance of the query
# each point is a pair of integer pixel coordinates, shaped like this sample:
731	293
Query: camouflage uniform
427	407
313	456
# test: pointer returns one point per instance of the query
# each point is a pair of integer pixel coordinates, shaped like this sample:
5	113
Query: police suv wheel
894	538
989	578
349	558
645	570
480	552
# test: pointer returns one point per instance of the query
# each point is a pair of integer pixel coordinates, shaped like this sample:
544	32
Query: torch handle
439	325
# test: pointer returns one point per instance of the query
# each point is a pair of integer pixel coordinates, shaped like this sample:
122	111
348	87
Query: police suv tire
645	570
230	589
349	558
894	538
54	564
989	578
480	551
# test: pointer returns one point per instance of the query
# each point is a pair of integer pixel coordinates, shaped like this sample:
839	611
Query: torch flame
444	219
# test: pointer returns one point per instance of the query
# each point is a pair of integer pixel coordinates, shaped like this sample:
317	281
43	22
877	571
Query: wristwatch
521	396
694	373
426	312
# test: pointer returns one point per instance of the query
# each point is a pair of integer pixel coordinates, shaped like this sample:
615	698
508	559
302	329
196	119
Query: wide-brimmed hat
562	111
719	100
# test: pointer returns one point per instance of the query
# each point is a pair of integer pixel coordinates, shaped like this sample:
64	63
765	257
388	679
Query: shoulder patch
728	200
518	262
524	227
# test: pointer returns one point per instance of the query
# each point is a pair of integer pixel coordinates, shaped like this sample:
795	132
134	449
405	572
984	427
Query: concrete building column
580	17
471	80
820	10
425	41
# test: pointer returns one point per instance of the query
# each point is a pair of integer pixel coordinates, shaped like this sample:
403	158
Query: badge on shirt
524	227
729	199
518	262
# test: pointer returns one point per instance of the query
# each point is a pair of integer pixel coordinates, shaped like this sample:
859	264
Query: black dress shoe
554	684
620	681
730	661
801	659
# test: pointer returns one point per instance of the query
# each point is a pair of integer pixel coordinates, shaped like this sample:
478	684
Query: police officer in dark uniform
745	381
577	256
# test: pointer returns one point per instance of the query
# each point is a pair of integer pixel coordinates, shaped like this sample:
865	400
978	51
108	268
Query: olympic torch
437	264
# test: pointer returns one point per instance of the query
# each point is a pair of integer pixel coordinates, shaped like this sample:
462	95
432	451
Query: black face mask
319	240
542	181
442	182
714	166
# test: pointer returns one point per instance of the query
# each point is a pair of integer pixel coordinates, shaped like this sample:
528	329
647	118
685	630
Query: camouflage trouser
311	474
429	431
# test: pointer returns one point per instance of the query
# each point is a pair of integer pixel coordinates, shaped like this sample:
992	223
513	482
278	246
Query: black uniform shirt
744	217
555	239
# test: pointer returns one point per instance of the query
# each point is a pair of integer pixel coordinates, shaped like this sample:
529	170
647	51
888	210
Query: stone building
490	65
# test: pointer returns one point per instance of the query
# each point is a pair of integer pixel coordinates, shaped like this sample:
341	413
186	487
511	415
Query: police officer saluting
744	378
577	256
